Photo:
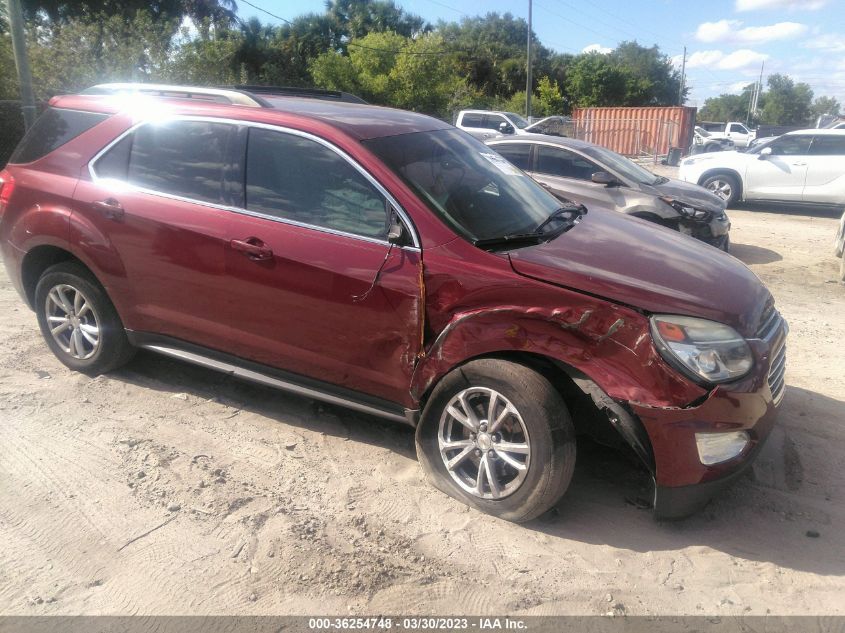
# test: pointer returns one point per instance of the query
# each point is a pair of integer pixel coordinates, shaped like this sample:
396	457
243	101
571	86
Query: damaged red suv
387	262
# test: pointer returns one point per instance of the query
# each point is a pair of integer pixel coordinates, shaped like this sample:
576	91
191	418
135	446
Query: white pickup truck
732	130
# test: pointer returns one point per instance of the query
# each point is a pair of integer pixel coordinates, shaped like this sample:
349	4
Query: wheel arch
593	412
716	171
37	260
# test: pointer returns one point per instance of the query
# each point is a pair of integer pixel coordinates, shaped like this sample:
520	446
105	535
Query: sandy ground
168	489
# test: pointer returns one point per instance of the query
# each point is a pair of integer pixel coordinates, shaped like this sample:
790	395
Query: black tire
712	147
550	437
726	186
112	349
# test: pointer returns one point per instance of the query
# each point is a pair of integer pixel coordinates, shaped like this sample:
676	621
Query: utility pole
683	78
528	69
759	90
21	61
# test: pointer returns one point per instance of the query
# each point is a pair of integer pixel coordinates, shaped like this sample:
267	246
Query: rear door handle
110	208
253	248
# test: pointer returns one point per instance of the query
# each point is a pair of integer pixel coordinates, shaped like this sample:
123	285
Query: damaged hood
689	193
640	264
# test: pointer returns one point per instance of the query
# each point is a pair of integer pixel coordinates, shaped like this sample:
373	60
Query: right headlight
704	350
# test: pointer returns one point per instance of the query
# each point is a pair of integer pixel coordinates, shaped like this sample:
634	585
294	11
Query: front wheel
498	436
725	186
79	322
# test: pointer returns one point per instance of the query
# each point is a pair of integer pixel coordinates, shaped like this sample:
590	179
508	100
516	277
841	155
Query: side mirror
604	178
764	153
395	233
505	128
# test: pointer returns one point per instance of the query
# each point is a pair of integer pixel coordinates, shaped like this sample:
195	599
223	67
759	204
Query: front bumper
715	232
683	484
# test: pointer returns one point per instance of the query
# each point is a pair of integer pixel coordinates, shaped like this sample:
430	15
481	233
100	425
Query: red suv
388	262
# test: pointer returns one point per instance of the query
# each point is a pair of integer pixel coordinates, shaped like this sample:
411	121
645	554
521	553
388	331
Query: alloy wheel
484	443
72	321
721	188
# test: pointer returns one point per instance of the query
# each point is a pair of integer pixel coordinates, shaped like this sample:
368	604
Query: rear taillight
7	187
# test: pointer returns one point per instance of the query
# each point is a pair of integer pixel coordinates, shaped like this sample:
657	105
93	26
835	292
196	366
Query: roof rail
292	91
214	95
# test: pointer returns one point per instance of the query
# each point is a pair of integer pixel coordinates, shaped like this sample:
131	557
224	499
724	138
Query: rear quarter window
53	129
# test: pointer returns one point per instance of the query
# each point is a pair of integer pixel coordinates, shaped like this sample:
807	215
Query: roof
358	121
818	132
563	141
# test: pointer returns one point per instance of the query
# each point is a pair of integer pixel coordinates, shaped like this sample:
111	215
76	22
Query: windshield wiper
569	213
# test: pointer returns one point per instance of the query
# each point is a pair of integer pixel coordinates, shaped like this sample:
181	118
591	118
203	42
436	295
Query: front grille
777	372
773	330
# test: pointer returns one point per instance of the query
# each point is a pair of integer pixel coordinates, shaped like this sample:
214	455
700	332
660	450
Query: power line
255	6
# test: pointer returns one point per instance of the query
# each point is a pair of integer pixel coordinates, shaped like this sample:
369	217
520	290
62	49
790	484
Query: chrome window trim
409	226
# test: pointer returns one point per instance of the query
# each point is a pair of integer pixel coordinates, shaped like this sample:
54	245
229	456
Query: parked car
806	166
839	247
486	124
704	141
387	262
732	130
598	177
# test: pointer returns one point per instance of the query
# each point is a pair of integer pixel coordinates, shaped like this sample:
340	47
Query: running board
399	414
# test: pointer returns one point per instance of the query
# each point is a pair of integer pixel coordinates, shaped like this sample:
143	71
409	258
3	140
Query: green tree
650	77
787	103
727	107
207	58
824	105
549	99
593	80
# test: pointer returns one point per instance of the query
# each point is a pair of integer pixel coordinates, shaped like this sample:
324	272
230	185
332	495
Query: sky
726	40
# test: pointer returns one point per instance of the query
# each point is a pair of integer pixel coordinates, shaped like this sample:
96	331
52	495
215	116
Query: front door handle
253	248
799	164
110	208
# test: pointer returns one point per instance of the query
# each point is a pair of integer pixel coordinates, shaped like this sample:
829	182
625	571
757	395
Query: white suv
803	166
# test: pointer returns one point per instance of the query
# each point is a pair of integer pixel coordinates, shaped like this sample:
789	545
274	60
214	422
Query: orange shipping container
637	131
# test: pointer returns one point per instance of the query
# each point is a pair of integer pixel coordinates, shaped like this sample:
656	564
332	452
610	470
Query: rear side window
198	160
472	120
296	178
828	146
516	153
53	129
559	162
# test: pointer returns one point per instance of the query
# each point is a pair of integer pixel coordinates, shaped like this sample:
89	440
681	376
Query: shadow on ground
757	519
791	208
749	254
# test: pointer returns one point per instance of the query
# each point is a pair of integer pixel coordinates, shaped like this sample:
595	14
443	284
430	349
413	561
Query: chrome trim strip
409	226
284	385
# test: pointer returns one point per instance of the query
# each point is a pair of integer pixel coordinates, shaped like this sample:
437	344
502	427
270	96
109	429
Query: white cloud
733	31
719	60
743	58
828	42
803	5
597	48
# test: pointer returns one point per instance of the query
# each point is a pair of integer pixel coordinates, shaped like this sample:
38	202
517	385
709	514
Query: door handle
110	208
799	164
253	248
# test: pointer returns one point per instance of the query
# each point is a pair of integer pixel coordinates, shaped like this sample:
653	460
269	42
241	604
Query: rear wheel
79	322
725	186
497	436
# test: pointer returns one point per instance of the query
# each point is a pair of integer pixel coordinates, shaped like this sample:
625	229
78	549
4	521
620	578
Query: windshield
518	121
621	165
702	131
476	191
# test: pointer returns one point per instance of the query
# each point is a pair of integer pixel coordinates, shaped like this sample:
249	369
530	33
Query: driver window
791	146
554	161
736	127
493	121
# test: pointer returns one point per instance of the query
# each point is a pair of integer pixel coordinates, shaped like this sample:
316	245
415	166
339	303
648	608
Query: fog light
714	448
